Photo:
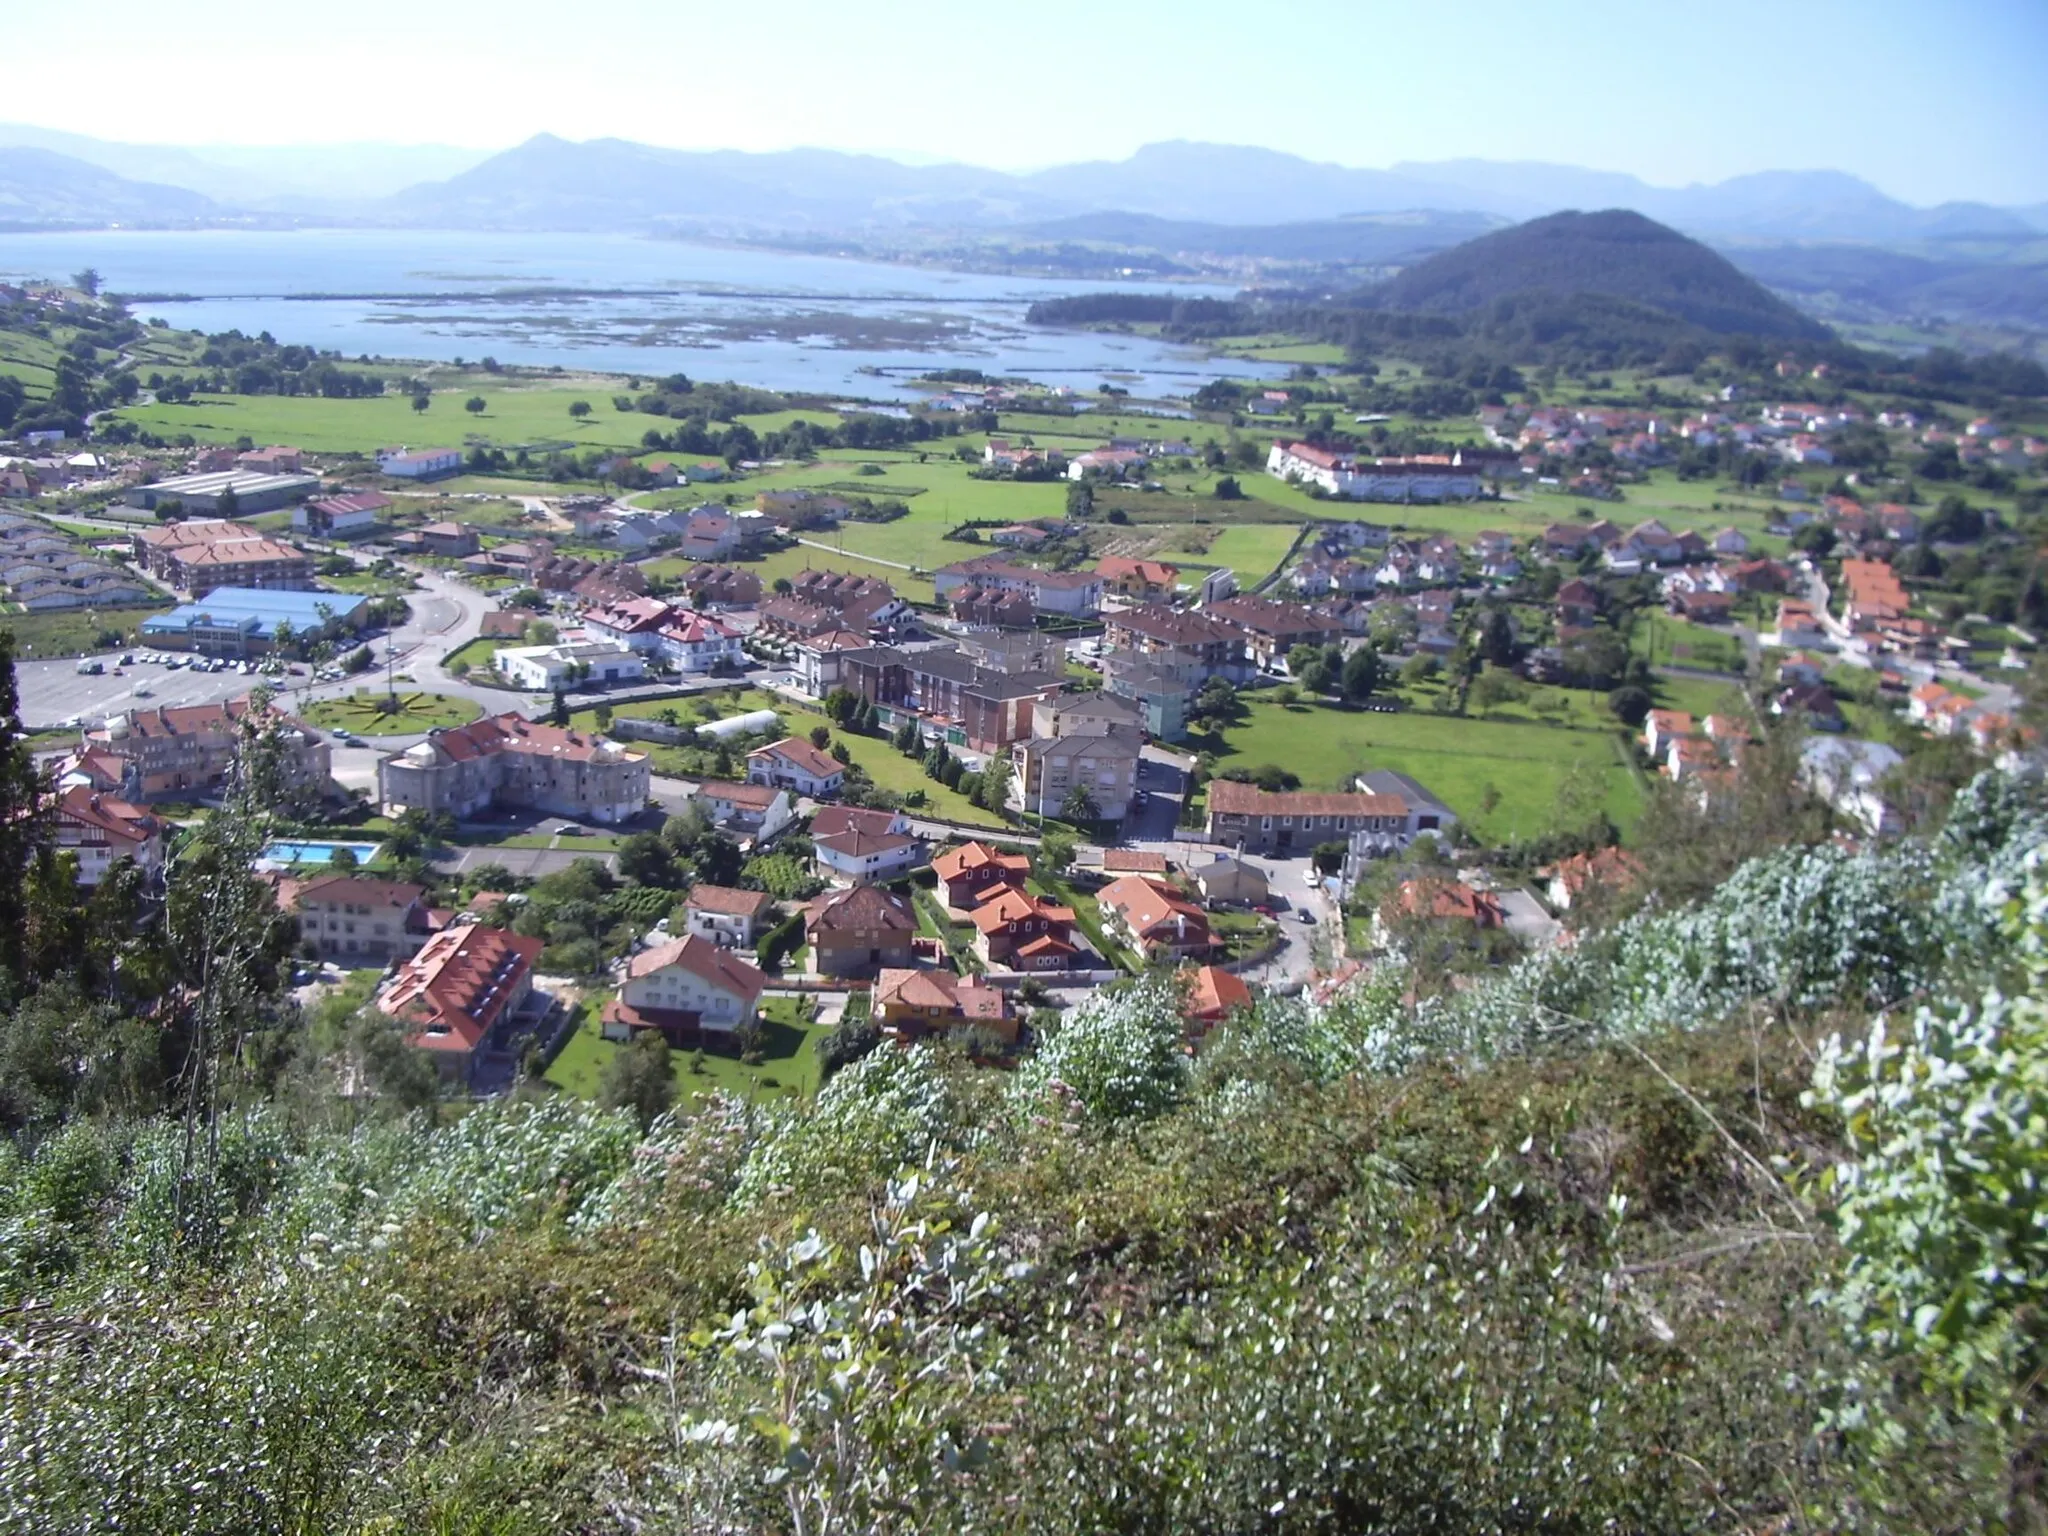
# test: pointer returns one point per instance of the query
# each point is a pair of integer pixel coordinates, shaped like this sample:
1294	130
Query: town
876	798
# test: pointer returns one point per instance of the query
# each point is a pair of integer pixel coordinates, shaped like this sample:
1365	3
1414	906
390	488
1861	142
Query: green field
362	713
71	631
30	359
1456	759
790	1058
512	416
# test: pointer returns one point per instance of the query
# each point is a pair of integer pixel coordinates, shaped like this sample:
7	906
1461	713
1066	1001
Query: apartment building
202	554
189	750
510	760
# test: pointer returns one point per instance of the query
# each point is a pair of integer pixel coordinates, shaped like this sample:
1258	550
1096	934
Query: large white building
1428	477
545	667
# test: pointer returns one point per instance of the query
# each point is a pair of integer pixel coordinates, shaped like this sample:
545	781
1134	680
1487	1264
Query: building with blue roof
243	621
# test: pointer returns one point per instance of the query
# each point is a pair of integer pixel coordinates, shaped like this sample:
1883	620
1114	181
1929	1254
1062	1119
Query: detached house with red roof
911	1004
462	985
102	829
1155	918
690	990
968	873
797	766
1023	931
726	916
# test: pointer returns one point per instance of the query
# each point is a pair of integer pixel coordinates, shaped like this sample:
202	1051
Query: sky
1928	102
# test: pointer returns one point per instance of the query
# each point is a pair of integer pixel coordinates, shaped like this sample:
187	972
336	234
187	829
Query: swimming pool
316	852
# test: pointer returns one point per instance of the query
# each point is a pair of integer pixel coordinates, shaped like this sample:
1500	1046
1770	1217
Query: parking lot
55	693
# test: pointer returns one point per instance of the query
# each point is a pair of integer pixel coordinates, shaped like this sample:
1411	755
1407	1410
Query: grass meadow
1521	768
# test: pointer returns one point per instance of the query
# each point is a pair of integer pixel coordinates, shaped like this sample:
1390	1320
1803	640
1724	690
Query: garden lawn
363	713
1457	759
1667	641
790	1058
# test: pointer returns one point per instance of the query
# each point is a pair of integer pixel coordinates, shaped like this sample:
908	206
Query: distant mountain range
1799	231
553	183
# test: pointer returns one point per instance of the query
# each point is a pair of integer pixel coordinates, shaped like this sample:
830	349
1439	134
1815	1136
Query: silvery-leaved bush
1942	1203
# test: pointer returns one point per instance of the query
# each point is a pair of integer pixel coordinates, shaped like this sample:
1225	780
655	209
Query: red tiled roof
1214	992
955	862
728	901
359	890
863	907
457	986
1148	905
710	963
1228	797
807	758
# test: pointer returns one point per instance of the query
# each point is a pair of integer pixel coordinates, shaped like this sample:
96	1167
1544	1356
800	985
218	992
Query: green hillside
1613	255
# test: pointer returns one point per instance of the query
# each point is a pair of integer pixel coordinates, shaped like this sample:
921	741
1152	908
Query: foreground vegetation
1630	1235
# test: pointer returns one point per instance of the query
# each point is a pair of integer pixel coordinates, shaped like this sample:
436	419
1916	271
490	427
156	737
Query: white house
687	984
545	667
728	917
696	642
796	766
864	856
419	463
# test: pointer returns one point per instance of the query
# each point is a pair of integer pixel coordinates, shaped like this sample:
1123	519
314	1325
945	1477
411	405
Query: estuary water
617	303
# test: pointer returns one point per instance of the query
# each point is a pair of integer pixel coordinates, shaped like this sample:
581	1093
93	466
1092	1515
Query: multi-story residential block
510	760
356	920
190	750
1202	644
981	709
203	554
462	985
1094	756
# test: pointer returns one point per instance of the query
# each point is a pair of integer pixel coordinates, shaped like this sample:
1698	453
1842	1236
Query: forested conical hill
1614	254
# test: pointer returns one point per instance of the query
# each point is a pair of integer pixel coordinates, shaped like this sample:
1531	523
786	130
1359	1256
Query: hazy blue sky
1930	101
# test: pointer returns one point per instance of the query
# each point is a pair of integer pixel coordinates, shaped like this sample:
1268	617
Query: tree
1361	674
1816	539
87	282
559	715
906	738
1227	489
227	504
639	1078
1497	639
421	401
579	409
1631	706
1079	805
821	737
474	405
